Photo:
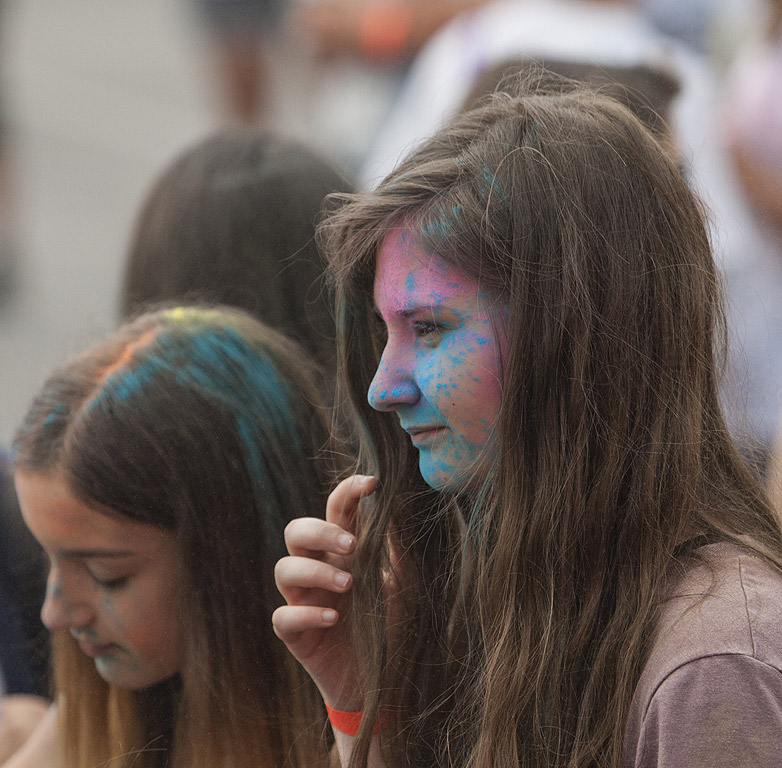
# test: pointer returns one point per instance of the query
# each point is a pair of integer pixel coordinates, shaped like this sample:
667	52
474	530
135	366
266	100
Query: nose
393	385
61	612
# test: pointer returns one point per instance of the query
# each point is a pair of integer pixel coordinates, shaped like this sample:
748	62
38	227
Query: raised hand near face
315	579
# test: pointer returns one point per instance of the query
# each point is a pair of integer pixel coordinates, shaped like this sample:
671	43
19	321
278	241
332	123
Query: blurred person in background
754	118
323	71
389	31
598	32
231	220
749	127
240	32
356	55
688	20
752	131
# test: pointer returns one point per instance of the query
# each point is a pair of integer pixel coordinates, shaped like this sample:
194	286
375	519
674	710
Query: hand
315	580
20	715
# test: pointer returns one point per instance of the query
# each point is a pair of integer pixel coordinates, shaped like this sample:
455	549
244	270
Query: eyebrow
413	309
90	553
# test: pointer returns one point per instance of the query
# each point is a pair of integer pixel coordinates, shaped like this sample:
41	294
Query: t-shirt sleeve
720	711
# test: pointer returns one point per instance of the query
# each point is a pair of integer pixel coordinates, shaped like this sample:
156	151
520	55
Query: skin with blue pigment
441	369
114	583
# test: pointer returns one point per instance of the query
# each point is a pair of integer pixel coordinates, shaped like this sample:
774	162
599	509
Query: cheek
475	391
113	613
145	623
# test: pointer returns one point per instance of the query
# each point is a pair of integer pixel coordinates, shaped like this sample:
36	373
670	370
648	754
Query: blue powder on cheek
444	388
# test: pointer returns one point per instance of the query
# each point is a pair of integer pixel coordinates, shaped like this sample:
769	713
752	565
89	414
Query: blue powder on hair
445	225
135	380
225	369
218	364
490	177
54	414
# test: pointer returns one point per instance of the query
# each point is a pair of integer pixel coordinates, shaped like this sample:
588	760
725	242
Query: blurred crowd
366	81
388	73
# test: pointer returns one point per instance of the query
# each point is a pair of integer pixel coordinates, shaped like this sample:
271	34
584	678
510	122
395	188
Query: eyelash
110	584
430	331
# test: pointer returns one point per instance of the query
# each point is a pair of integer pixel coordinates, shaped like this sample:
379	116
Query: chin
449	483
130	676
451	479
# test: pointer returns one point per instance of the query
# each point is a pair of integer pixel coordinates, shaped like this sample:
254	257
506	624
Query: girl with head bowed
158	471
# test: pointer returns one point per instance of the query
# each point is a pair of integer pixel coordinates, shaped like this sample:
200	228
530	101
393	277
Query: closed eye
110	584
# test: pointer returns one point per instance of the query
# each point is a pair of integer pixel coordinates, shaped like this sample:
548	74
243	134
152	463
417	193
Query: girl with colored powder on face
554	555
158	471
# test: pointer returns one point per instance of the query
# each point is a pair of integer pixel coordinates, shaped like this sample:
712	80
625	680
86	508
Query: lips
425	434
94	651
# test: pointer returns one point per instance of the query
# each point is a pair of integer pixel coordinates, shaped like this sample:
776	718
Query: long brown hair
208	424
527	604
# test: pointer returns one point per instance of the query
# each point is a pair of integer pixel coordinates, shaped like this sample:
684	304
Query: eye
110	584
429	331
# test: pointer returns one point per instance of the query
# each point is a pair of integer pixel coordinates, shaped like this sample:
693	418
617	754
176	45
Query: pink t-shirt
710	694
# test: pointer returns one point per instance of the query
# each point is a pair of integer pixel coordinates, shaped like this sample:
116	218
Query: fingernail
346	542
341	579
363	480
329	616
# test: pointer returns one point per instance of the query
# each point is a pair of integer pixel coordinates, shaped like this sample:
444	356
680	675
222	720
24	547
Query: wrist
349	723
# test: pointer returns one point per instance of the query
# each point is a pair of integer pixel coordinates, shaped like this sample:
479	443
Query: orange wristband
347	722
385	29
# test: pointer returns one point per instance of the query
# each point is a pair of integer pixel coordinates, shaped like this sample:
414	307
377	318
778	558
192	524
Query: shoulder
42	747
711	690
729	603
